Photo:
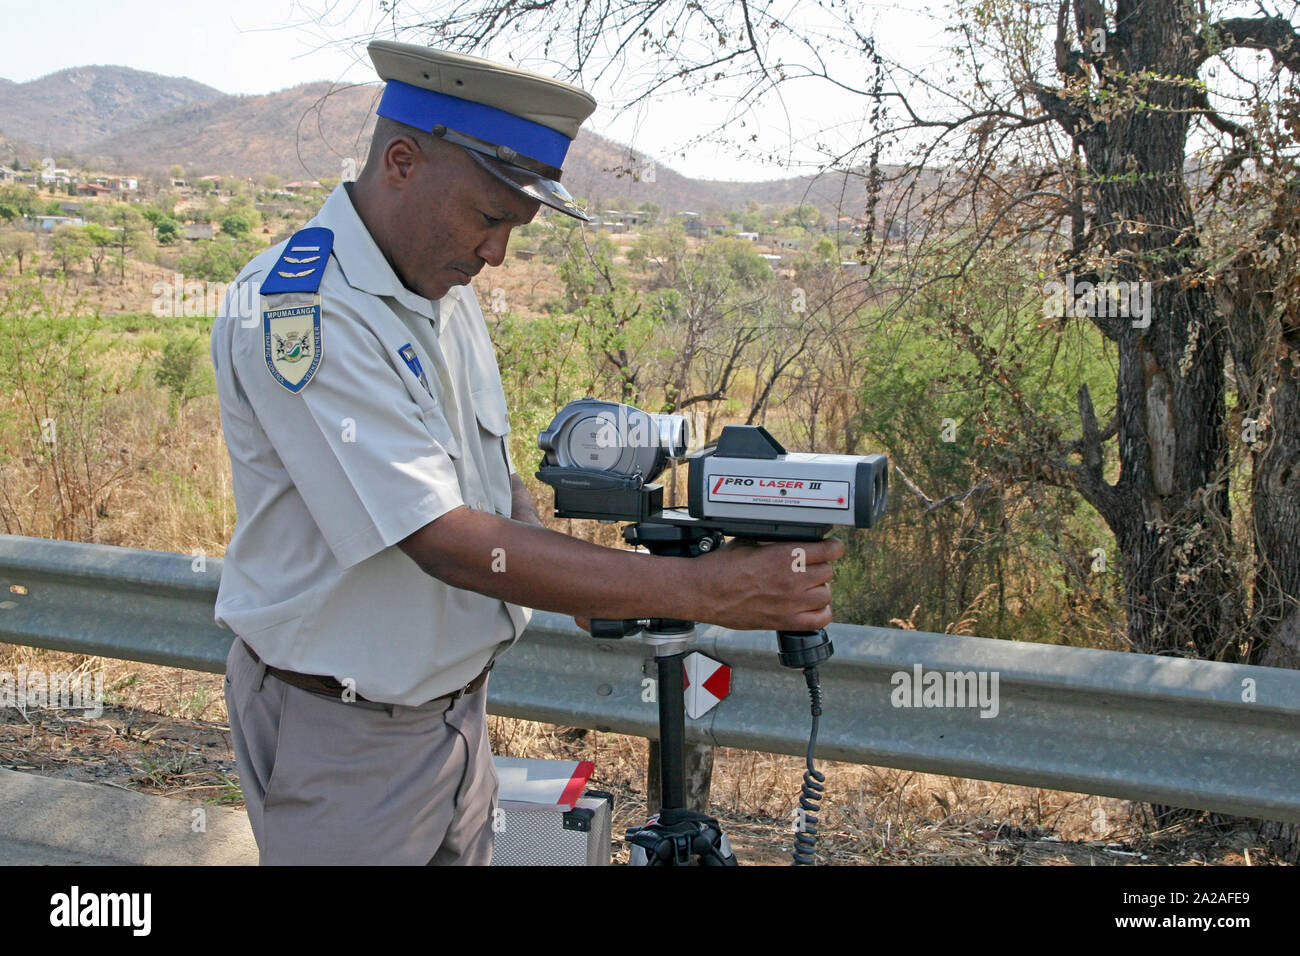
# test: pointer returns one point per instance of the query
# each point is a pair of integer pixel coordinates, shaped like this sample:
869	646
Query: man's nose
493	249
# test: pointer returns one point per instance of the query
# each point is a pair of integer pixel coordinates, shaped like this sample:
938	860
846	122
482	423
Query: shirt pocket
494	427
435	420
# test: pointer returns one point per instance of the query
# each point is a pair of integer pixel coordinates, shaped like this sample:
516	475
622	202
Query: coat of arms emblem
293	344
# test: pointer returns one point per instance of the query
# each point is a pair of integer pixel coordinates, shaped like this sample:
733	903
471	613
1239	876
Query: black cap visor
546	191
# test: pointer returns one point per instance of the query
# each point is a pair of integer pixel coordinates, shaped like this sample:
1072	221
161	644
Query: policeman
385	551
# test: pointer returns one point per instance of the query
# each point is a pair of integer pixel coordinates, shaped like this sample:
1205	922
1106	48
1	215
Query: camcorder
602	459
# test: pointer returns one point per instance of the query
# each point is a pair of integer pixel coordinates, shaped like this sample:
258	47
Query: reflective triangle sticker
707	682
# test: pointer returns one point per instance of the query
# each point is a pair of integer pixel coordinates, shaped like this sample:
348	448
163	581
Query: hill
129	121
305	132
72	108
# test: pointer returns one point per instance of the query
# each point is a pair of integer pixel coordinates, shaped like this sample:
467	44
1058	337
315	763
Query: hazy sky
258	46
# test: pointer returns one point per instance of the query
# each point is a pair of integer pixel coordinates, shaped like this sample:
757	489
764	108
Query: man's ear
400	157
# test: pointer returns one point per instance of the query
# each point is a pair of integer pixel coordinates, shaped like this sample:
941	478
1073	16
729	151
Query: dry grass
171	487
104	294
186	503
529	286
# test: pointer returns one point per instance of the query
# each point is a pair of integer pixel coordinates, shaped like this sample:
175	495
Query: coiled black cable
814	782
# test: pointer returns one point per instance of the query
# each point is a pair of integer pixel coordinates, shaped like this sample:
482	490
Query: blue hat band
425	109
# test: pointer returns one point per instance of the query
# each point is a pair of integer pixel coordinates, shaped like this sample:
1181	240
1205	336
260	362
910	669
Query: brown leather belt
329	687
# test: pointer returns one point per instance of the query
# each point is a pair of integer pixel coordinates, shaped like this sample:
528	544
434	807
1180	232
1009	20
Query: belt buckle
466	689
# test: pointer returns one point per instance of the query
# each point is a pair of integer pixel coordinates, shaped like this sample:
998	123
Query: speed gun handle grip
607	630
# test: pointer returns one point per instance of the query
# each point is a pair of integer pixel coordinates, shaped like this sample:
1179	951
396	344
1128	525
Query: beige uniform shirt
329	479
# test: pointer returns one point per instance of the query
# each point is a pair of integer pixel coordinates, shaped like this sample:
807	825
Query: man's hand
741	557
521	506
774	586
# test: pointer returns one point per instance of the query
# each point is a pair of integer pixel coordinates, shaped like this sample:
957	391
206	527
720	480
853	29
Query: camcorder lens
674	434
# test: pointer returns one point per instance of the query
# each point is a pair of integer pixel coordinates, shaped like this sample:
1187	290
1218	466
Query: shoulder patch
291	323
293	343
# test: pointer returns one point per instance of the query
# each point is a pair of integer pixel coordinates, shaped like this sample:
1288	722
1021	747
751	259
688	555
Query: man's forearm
531	566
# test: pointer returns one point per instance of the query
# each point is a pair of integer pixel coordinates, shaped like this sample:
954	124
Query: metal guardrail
1199	734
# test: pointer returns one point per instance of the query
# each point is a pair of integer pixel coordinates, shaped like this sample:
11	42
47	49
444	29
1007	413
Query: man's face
452	217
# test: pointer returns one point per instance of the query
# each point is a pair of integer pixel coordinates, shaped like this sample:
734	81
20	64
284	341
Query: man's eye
491	221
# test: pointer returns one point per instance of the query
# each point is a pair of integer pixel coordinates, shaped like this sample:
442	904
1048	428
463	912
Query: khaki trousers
331	782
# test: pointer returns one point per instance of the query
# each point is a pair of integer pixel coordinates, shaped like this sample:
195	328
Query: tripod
600	463
675	835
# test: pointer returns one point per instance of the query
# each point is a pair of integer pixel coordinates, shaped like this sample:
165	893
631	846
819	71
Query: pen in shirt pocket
407	352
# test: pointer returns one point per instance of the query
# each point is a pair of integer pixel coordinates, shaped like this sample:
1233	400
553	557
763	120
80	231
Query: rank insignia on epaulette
291	308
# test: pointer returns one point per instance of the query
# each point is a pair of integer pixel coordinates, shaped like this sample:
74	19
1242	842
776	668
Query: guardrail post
699	777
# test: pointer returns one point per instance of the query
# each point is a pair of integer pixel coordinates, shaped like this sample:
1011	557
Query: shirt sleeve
371	463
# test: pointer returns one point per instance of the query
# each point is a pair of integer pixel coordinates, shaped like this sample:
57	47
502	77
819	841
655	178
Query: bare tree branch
1277	35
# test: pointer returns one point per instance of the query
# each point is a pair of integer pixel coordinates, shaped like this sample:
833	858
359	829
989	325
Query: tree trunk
1276	512
1263	303
1169	509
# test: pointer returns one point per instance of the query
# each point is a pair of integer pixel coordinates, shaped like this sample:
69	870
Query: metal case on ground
530	834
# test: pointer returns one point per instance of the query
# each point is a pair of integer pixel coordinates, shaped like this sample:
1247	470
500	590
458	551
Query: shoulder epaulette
301	266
